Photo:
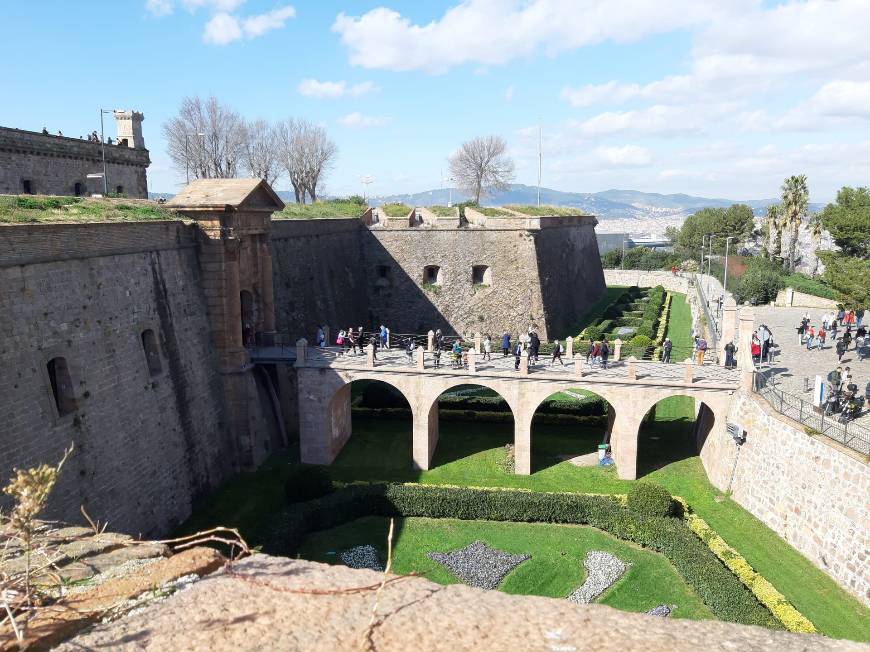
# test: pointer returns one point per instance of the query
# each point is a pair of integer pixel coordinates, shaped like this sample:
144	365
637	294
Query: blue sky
668	96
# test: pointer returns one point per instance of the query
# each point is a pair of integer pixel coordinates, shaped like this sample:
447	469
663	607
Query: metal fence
851	434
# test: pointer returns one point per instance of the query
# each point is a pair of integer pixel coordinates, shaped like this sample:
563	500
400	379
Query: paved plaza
795	368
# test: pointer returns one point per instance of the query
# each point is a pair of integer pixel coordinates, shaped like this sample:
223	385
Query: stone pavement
794	367
274	603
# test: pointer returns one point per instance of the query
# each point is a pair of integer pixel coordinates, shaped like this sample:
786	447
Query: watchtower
130	128
234	220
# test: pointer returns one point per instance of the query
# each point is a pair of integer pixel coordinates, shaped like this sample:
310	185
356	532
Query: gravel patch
479	565
603	569
662	610
362	557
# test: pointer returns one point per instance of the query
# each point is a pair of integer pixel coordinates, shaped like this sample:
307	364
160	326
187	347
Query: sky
718	98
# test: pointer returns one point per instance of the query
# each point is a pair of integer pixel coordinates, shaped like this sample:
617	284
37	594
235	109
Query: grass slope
554	570
332	208
79	210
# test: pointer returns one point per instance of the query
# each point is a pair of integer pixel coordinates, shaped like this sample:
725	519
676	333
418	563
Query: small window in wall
385	276
119	190
77	189
61	386
481	275
152	352
26	187
432	275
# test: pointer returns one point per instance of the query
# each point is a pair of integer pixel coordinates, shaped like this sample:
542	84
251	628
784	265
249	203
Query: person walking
487	348
505	344
847	339
800	332
596	354
811	336
320	337
457	354
534	346
557	353
605	353
766	338
834	326
409	350
351	340
702	349
859	317
383	335
820	338
729	355
589	353
436	351
518	351
841	350
755	349
666	350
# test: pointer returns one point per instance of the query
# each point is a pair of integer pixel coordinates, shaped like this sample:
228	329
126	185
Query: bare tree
261	151
481	166
206	138
307	153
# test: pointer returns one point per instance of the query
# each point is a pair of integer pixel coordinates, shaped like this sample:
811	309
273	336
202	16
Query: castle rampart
34	163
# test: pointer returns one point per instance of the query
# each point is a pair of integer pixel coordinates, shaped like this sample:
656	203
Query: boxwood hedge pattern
628	310
720	590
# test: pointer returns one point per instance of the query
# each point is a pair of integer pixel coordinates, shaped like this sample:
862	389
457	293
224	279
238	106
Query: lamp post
709	265
103	149
449	181
366	180
622	257
725	275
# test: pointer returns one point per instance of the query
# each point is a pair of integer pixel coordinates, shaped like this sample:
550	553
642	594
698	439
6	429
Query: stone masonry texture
145	446
54	164
808	490
274	603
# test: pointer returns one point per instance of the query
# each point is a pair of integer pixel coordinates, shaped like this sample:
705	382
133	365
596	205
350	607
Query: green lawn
595	310
79	210
680	328
338	208
544	210
554	570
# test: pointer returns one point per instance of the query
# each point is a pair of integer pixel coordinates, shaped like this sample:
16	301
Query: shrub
307	483
758	286
650	499
640	340
719	589
592	332
44	203
644	330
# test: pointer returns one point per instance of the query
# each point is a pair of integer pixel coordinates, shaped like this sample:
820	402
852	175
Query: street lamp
622	257
103	148
450	181
725	275
366	180
186	152
709	264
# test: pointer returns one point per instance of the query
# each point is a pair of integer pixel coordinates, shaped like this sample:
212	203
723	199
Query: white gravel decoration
603	569
362	557
662	610
479	565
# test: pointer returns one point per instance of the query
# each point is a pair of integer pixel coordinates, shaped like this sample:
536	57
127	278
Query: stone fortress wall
33	163
809	490
148	430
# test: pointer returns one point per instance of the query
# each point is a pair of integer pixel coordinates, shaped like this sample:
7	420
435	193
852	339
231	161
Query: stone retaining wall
790	297
809	490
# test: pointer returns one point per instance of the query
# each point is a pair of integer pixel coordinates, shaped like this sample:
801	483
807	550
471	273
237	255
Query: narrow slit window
61	386
481	275
152	353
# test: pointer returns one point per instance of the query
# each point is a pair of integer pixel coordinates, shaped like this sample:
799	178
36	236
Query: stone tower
130	128
234	220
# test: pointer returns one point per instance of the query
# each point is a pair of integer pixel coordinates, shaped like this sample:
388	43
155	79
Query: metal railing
851	434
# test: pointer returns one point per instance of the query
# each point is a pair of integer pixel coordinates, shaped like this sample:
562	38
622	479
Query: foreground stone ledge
274	603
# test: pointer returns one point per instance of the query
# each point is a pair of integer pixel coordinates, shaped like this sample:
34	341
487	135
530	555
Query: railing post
569	347
617	349
472	361
430	341
632	368
370	356
524	363
477	339
578	367
421	364
301	350
688	372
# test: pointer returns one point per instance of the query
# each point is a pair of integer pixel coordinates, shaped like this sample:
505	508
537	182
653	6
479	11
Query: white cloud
657	120
357	120
159	7
493	32
213	5
224	28
625	156
334	89
509	93
255	26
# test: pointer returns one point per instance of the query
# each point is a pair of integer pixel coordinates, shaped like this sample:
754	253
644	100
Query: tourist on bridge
518	352
409	349
487	348
755	349
766	338
457	354
589	351
437	345
351	340
605	353
557	353
729	355
534	346
701	349
439	340
375	341
340	341
505	344
320	337
666	350
384	335
595	353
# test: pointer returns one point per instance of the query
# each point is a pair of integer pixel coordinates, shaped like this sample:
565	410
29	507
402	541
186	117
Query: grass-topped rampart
38	209
329	208
544	210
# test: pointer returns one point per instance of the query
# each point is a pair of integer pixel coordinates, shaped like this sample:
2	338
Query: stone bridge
631	387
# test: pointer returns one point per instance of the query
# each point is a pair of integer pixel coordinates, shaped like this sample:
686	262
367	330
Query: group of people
759	347
92	137
830	324
843	394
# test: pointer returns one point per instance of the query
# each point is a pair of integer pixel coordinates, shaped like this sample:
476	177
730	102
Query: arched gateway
632	387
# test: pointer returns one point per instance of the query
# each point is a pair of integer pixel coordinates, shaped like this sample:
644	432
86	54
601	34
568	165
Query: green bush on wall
720	589
650	499
644	330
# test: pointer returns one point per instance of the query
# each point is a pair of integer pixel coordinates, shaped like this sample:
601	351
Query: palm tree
795	198
773	232
816	228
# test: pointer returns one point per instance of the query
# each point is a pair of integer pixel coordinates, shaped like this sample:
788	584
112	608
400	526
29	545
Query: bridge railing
851	434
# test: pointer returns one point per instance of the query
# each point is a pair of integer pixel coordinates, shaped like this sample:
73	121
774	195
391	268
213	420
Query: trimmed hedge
485	417
720	590
650	499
